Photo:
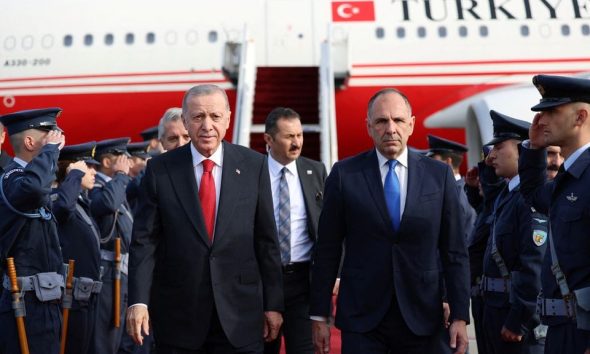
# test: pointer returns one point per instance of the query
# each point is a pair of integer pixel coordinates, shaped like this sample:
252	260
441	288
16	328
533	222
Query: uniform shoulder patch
13	171
539	237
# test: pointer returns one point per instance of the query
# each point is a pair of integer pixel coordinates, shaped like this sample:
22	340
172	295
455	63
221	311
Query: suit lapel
373	182
306	181
415	173
231	187
182	176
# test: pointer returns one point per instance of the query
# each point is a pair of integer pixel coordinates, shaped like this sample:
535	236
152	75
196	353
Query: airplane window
109	39
47	41
68	40
171	37
524	30
442	31
462	31
483	31
401	32
9	43
421	32
150	38
585	30
88	39
212	36
27	42
129	38
192	37
379	32
565	30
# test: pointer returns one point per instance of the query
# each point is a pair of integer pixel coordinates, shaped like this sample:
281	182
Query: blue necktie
284	224
392	194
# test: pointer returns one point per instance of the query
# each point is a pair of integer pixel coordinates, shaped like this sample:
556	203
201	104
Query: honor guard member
139	157
4	157
111	211
28	231
80	240
451	153
482	187
150	135
515	250
563	120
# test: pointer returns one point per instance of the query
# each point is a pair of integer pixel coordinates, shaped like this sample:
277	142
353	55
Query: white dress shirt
301	244
217	158
20	161
513	183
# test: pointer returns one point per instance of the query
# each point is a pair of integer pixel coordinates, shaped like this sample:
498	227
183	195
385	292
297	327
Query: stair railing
245	92
328	135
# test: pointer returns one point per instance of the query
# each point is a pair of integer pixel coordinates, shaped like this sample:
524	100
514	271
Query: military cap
43	119
559	90
139	149
149	133
439	145
506	128
81	152
116	146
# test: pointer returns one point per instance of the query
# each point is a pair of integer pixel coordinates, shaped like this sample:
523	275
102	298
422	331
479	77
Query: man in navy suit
396	211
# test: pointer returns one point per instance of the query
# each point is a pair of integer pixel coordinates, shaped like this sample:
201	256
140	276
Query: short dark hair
270	126
386	91
456	158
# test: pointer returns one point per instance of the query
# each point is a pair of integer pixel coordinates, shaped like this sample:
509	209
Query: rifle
117	284
67	304
18	306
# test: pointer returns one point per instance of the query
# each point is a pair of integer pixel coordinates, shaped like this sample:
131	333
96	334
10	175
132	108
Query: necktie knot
284	171
208	166
392	164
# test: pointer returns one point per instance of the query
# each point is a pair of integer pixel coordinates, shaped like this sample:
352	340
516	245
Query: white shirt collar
402	159
573	157
514	182
217	156
20	161
276	167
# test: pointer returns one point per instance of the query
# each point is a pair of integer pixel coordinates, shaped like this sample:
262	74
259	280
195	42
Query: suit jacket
4	160
182	276
380	263
312	185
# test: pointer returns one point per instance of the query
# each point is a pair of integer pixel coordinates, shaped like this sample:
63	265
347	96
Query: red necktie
207	196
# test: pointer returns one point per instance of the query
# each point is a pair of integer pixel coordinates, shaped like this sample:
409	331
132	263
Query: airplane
115	66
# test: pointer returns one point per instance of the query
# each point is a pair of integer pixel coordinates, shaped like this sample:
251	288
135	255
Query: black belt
295	267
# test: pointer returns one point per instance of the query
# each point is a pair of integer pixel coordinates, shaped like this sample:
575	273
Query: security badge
539	237
572	198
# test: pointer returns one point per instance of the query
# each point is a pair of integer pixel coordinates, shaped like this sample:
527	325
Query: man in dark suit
4	157
396	211
297	187
204	255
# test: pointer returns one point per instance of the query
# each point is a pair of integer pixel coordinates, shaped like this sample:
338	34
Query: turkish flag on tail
345	11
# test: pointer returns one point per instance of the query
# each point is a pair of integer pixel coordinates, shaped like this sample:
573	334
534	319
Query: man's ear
582	116
105	161
29	143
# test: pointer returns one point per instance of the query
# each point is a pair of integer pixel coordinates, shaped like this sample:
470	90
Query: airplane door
289	32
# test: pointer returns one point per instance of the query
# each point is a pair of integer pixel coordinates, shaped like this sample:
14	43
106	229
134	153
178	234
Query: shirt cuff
138	304
319	318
